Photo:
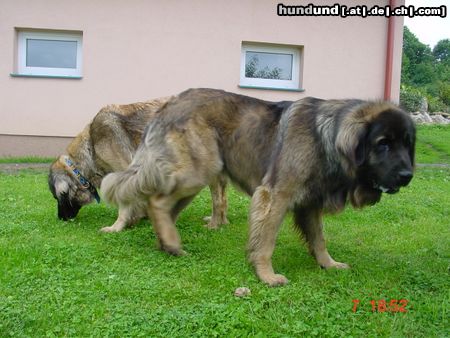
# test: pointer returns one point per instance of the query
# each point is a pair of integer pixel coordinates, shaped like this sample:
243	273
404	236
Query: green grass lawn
68	279
27	159
433	144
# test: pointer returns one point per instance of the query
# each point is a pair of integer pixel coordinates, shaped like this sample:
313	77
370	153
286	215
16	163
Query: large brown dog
106	145
310	156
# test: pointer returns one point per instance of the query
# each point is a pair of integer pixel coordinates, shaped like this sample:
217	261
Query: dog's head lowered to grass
70	189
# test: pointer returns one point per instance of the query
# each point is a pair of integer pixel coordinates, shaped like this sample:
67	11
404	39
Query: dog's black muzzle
401	180
404	177
67	209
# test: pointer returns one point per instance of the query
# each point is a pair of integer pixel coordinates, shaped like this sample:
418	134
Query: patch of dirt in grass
14	168
441	153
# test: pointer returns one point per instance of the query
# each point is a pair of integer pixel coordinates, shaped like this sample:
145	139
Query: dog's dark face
387	156
67	191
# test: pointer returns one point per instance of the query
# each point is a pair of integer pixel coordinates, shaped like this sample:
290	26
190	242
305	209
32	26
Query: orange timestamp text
382	305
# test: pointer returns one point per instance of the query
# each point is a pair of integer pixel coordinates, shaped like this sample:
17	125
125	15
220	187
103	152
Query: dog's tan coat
309	157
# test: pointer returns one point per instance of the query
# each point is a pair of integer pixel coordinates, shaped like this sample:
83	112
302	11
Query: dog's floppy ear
61	186
351	144
360	152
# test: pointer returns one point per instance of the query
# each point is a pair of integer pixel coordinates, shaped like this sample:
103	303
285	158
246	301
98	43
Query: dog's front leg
309	221
123	219
266	214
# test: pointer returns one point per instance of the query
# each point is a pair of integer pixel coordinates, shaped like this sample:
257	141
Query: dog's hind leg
179	206
219	203
160	210
309	221
266	214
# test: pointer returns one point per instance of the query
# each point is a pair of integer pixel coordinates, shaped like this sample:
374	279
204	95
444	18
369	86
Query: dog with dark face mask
310	157
107	145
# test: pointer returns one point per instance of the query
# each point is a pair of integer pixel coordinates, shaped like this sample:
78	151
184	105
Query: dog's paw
274	280
340	265
178	253
211	225
173	251
109	229
337	265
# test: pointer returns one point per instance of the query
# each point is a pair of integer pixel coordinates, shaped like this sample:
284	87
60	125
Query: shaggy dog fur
107	145
309	157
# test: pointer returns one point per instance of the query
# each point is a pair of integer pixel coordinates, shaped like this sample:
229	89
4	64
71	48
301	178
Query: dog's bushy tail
146	175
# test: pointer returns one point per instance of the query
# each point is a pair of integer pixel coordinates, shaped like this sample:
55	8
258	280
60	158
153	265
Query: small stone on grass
242	292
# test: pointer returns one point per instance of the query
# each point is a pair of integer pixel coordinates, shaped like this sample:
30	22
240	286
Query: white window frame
293	84
23	69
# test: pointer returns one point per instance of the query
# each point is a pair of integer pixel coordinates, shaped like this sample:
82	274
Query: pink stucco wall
136	50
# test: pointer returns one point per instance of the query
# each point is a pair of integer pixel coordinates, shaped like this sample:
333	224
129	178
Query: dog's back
189	132
246	128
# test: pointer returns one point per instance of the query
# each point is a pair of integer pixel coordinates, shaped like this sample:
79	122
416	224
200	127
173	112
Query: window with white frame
270	66
49	53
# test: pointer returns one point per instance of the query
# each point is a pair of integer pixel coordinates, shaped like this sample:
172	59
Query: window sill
272	88
47	76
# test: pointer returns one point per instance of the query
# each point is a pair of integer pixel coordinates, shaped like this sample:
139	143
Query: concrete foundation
24	145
